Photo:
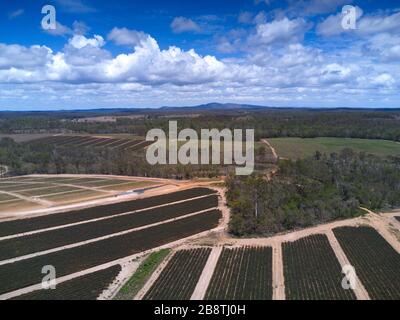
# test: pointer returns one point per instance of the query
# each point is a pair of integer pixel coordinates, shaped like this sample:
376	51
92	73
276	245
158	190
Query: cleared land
377	264
88	287
295	148
179	278
61	190
312	271
242	274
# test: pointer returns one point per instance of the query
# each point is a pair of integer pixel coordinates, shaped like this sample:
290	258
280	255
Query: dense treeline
37	158
311	191
304	123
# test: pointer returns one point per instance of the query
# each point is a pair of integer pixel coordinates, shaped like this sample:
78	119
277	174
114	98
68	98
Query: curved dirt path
274	153
270	174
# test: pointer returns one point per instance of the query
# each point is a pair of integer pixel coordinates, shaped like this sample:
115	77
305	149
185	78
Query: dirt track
205	278
359	291
274	153
278	278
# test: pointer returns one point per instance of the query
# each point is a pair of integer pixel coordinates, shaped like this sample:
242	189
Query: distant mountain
219	106
214	108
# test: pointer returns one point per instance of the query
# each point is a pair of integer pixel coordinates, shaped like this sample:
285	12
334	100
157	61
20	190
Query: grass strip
142	275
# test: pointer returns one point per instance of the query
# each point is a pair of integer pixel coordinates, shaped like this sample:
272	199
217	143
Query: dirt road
278	278
274	153
360	291
208	271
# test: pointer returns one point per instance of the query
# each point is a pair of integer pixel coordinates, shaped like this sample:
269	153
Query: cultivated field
242	274
295	148
97	250
312	271
87	287
79	141
25	137
376	262
179	278
302	265
80	241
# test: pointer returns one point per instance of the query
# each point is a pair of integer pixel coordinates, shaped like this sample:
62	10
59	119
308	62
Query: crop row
49	221
180	277
312	271
24	273
376	262
242	274
15	247
87	287
88	141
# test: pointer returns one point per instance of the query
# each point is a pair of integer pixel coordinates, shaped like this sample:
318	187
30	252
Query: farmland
80	243
25	137
295	148
312	271
78	141
27	272
242	274
180	276
35	191
88	287
75	241
82	232
49	221
377	264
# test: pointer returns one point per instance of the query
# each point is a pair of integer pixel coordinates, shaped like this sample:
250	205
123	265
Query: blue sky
153	53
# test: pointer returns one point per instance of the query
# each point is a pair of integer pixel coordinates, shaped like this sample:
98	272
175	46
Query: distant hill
214	107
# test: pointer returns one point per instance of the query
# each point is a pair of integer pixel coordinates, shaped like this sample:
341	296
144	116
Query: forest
267	122
312	191
38	158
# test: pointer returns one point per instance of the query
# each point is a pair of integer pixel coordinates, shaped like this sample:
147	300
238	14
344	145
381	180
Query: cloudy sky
179	52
